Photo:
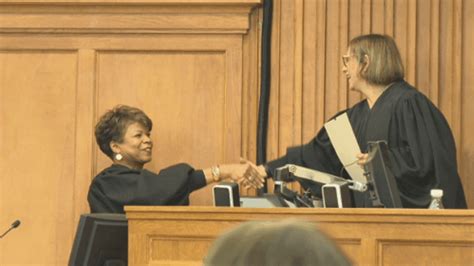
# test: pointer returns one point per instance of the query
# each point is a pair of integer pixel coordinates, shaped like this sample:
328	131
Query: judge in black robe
422	150
123	134
118	185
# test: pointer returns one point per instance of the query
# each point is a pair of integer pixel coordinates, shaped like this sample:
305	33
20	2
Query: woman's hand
255	176
362	159
233	171
245	173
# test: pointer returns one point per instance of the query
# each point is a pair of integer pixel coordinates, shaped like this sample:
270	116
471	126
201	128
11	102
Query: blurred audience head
287	242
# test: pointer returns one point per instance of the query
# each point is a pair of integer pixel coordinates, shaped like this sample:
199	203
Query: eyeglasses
345	59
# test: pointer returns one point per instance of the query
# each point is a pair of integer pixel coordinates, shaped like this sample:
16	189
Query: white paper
345	143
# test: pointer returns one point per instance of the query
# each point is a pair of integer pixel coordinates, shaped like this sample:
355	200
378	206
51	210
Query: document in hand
345	143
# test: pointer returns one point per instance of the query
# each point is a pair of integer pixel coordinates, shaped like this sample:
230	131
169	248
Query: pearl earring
118	157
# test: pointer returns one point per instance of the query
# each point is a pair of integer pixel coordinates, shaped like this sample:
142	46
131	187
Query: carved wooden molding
107	16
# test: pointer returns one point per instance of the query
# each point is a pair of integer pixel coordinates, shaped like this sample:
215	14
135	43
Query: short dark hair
113	124
385	61
288	242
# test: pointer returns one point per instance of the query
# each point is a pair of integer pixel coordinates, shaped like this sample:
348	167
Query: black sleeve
424	156
318	154
197	180
119	186
272	165
183	177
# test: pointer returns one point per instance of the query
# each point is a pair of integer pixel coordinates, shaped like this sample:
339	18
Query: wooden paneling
307	84
390	251
62	64
467	121
37	151
175	85
167	248
164	235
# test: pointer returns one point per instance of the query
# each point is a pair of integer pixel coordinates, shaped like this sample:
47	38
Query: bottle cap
436	193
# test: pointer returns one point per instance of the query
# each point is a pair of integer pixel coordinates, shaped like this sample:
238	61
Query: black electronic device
226	194
336	195
101	240
335	190
383	189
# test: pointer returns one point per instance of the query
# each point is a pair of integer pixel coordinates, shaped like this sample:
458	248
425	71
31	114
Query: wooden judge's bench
182	235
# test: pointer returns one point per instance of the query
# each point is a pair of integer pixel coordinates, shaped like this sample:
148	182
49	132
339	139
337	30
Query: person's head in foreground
273	243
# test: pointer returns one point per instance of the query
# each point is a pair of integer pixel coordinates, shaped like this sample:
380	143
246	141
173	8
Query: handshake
246	173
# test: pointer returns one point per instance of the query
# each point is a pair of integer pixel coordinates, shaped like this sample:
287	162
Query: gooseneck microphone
14	225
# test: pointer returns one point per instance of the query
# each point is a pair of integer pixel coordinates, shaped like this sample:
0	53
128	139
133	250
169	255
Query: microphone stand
14	225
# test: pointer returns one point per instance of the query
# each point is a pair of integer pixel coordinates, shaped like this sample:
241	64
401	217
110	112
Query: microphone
14	225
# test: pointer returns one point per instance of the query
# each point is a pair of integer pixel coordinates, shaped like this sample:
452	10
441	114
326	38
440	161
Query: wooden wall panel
390	251
176	87
180	88
467	121
64	64
433	36
37	151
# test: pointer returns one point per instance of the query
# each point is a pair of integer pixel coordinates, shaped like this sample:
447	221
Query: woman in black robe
421	146
123	134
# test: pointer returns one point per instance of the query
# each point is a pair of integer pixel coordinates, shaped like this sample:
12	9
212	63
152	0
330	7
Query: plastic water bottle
436	202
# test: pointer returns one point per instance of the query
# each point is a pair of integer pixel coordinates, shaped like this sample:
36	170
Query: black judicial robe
421	147
118	185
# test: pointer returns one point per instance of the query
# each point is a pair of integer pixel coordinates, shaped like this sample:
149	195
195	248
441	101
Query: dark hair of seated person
287	242
114	123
